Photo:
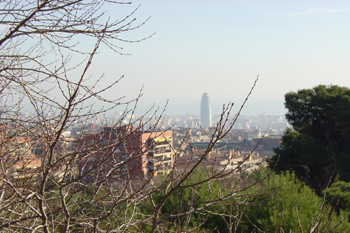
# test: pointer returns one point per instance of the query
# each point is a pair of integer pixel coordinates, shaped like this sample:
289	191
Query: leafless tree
51	182
54	183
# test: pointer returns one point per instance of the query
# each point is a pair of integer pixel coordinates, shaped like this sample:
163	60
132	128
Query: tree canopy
286	203
339	195
317	146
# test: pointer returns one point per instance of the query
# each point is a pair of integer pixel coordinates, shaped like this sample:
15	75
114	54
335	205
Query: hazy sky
221	46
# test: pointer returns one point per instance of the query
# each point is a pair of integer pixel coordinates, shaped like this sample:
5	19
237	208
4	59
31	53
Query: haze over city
220	47
117	116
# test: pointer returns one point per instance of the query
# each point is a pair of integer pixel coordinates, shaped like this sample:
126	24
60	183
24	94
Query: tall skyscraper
205	111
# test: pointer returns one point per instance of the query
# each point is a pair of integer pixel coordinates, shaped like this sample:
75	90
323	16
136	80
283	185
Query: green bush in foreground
286	203
278	202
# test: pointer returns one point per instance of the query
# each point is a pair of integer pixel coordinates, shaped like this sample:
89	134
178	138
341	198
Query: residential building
122	153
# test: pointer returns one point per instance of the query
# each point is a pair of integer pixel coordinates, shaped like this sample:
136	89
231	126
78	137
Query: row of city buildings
92	156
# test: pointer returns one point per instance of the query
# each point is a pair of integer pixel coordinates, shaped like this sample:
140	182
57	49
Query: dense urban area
68	165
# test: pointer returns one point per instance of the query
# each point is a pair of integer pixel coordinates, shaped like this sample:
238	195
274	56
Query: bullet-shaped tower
205	111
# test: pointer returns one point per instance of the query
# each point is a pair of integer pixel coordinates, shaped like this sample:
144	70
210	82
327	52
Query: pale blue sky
219	47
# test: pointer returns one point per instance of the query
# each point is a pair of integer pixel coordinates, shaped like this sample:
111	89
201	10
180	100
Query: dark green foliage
185	199
339	195
277	205
301	154
262	205
318	145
